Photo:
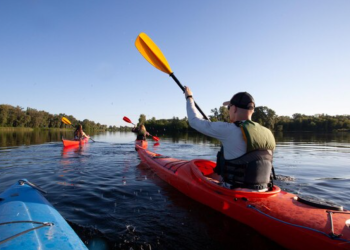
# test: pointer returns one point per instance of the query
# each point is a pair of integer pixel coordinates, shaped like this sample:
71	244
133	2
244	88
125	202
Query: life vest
253	169
141	135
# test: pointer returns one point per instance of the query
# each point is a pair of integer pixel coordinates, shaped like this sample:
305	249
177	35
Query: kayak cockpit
208	177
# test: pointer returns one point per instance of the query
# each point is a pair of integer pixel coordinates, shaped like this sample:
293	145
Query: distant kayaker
79	133
141	132
245	158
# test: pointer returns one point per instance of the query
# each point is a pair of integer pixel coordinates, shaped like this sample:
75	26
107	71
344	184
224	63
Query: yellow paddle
66	121
154	56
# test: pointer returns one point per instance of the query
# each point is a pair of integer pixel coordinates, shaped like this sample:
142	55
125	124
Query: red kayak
141	143
69	143
291	221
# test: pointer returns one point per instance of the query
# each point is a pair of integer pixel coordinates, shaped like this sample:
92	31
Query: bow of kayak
279	215
29	221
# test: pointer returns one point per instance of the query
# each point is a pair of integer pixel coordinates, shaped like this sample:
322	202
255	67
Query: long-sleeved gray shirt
229	134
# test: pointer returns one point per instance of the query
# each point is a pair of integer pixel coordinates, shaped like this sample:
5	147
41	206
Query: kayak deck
29	221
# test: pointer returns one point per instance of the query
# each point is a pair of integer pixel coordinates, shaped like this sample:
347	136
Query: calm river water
114	202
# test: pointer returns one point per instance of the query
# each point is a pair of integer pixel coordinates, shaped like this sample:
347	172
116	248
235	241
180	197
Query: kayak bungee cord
170	165
29	221
331	220
43	224
304	227
22	182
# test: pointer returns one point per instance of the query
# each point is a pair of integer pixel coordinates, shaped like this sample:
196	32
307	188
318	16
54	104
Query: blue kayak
29	221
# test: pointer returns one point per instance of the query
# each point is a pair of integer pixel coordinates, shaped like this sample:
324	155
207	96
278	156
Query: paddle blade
66	121
127	119
155	138
152	53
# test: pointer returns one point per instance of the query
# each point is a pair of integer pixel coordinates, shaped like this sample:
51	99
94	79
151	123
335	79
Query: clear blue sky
78	57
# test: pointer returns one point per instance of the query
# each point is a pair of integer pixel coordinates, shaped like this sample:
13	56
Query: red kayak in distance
291	221
69	143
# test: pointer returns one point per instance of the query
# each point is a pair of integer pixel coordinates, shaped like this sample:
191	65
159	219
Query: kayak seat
205	166
207	169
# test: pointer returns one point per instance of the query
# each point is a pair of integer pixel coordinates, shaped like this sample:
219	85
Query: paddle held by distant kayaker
245	158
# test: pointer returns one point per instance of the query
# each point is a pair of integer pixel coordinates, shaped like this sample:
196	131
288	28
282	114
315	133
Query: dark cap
241	100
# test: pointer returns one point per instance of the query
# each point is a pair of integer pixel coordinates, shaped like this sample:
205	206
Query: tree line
301	122
11	116
263	115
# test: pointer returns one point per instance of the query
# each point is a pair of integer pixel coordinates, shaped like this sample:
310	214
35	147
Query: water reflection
71	150
25	137
72	165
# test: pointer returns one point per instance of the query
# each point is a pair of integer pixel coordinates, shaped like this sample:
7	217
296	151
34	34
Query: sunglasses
229	106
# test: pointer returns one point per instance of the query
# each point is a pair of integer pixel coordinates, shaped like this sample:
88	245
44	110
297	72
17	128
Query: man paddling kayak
245	158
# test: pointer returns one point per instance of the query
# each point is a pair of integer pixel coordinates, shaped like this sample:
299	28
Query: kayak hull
141	143
21	205
72	143
275	214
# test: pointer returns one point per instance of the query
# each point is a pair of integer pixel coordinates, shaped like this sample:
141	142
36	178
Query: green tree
4	112
215	116
221	114
224	114
265	116
142	119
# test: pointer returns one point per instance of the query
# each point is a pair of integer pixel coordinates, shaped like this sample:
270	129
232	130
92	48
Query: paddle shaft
183	89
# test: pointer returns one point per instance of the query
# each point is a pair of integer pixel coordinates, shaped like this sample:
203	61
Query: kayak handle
22	182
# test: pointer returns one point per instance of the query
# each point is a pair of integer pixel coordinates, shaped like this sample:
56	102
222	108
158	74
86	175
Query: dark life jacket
141	137
253	169
140	134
